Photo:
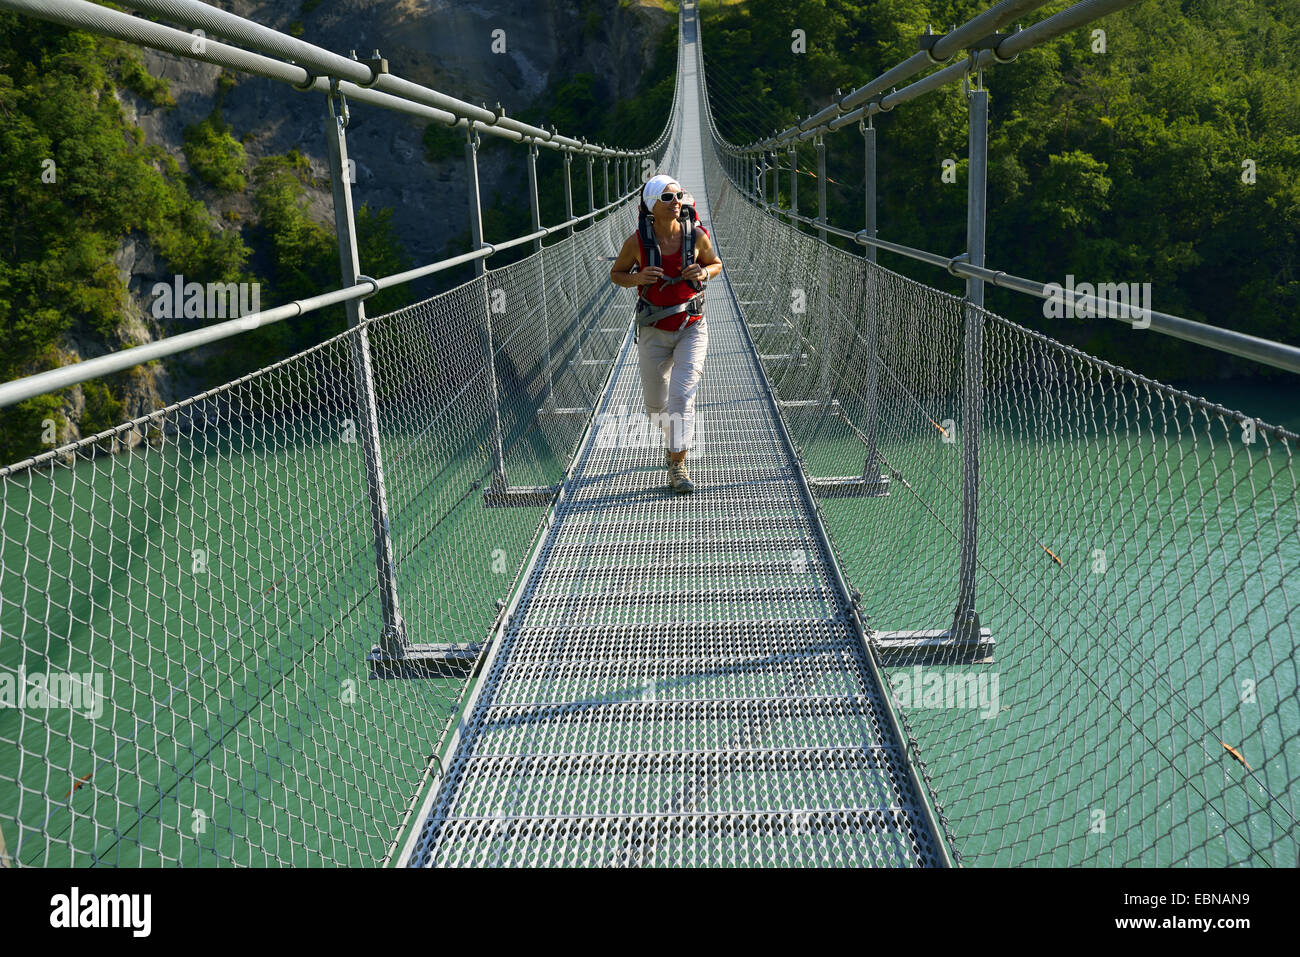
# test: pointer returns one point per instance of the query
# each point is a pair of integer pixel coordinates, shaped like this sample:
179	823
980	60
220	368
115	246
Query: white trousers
671	366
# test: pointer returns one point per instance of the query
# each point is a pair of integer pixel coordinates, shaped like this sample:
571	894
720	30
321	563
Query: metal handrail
335	75
1279	355
314	69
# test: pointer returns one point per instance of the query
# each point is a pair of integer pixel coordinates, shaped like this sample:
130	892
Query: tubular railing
1138	560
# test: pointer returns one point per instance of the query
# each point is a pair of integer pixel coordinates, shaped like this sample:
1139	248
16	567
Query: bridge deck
681	682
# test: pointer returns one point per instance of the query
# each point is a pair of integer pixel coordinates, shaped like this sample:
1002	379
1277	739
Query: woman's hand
696	271
648	276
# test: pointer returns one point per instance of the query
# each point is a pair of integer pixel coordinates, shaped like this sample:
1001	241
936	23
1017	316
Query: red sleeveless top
679	292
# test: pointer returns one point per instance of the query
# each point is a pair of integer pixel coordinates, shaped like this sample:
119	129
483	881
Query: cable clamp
961	258
925	44
336	94
378	67
373	281
308	83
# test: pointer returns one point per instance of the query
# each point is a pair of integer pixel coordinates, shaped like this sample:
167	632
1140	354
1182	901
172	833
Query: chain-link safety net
188	601
1134	701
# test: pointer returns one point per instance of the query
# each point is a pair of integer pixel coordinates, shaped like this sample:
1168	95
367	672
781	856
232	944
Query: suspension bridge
949	592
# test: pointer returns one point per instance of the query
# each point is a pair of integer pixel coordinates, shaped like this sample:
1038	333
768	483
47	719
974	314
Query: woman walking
672	338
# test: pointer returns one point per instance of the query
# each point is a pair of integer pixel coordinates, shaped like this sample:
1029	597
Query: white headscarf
654	189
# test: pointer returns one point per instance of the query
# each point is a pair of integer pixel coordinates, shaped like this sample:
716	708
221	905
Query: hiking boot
678	479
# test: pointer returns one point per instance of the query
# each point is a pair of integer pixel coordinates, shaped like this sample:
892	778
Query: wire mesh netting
189	603
1135	701
189	600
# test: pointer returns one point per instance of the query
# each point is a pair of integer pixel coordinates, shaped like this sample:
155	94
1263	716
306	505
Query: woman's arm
707	265
621	274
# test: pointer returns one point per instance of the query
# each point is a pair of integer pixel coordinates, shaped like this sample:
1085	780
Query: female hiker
672	338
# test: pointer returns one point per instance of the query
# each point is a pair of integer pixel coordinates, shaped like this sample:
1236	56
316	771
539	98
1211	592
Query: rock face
491	51
445	45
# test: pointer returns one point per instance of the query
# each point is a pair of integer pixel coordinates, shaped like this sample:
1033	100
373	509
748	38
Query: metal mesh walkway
682	682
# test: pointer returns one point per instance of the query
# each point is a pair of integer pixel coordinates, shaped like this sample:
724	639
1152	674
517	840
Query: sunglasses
669	196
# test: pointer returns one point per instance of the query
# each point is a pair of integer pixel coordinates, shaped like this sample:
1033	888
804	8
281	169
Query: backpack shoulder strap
645	233
689	222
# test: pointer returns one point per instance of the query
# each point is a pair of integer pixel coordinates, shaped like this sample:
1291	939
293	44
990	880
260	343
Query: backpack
646	312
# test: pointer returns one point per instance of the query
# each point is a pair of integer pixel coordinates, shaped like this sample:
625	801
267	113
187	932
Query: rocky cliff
452	47
444	45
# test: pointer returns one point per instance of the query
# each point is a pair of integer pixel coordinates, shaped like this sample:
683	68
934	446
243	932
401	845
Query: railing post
393	639
605	164
776	178
591	186
821	186
823	280
534	204
573	250
499	482
966	621
568	189
535	210
871	300
794	185
869	183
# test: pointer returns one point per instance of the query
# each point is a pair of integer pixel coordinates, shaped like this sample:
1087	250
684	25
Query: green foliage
77	180
578	106
103	409
442	143
382	254
1116	166
216	157
22	427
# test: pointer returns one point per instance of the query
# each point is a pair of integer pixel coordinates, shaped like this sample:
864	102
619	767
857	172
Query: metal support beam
605	170
821	187
794	183
534	204
869	185
393	638
591	184
535	210
966	621
869	309
776	179
499	482
568	190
